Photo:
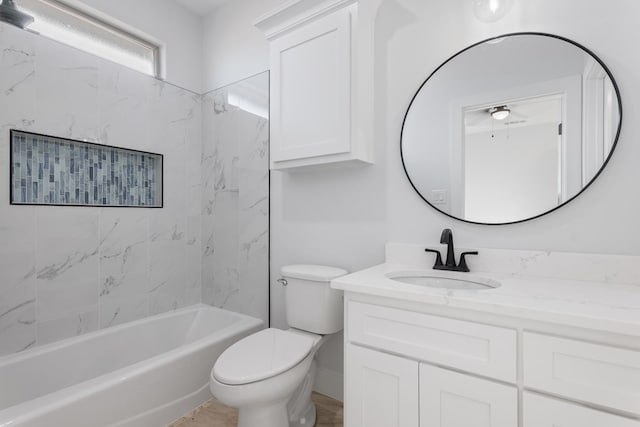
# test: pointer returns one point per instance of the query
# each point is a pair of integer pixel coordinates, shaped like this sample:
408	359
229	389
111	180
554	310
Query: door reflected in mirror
511	128
524	144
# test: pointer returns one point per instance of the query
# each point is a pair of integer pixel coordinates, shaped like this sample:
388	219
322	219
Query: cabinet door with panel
381	390
542	411
587	372
311	89
451	399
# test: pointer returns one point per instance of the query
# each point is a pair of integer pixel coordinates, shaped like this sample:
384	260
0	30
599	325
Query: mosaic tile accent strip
46	170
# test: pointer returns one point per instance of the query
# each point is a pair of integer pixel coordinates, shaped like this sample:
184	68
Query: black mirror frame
526	33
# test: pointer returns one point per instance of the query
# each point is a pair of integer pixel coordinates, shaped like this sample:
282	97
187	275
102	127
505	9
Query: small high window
75	28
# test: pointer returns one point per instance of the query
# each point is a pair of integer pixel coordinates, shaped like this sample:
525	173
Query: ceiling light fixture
491	10
500	113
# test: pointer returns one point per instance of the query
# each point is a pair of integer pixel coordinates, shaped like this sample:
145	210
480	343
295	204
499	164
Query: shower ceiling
201	7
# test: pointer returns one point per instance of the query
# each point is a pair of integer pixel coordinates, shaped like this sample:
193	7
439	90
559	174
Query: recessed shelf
48	170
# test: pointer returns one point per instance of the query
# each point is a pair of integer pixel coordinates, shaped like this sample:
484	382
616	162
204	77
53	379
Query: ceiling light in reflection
491	10
500	113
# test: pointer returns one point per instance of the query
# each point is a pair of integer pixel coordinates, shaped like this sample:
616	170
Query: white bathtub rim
42	404
44	348
69	394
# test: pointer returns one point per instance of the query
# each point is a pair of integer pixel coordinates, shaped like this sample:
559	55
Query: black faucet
450	264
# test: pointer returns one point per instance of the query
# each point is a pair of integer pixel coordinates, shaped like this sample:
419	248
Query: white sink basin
443	280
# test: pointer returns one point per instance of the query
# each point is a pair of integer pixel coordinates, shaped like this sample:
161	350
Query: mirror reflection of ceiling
511	128
522	113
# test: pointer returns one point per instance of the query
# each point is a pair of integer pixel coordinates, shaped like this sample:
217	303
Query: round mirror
511	128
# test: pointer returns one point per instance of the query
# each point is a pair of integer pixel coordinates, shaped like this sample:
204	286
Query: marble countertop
599	306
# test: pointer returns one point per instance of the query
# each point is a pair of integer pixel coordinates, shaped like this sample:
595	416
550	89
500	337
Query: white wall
333	217
233	47
177	29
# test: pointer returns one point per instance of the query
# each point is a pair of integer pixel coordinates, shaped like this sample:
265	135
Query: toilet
269	375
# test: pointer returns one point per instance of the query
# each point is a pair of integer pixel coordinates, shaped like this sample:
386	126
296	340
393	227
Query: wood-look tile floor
215	414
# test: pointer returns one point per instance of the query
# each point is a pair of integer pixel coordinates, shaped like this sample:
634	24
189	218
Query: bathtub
146	373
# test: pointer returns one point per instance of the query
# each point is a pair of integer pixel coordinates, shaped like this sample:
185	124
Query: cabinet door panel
380	390
450	399
542	411
600	374
311	89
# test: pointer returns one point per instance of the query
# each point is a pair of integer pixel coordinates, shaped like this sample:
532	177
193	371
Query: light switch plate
439	197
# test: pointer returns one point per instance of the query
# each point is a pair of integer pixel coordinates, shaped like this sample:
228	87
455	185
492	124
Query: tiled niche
46	170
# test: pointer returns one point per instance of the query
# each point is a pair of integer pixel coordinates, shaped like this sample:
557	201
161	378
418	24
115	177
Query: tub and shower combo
145	373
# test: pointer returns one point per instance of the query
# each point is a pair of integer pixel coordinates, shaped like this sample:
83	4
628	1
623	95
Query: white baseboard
329	383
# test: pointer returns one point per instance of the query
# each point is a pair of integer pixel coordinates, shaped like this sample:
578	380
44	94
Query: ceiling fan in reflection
502	114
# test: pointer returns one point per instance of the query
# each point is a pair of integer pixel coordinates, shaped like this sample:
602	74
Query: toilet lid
261	355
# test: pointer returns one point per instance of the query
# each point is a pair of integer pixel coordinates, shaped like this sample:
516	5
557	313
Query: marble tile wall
65	271
235	177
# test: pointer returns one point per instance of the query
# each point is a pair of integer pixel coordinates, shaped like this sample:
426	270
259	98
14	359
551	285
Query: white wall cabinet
314	117
403	379
382	390
311	86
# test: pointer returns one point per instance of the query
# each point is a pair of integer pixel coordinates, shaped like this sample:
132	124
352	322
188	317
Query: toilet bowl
259	375
269	375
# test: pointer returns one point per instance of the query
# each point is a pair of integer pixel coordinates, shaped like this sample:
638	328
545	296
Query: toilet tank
311	304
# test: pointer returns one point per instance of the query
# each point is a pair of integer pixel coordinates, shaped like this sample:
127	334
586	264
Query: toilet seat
262	355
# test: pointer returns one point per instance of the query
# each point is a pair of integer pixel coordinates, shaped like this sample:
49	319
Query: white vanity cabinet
384	389
314	115
410	365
